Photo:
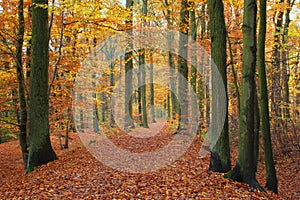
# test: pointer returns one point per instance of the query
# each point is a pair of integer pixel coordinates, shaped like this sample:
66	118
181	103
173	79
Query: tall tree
171	59
220	153
276	96
183	66
265	121
21	85
142	63
128	70
244	169
40	151
285	72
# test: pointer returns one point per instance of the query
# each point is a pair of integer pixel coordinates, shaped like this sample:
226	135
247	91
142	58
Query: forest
149	99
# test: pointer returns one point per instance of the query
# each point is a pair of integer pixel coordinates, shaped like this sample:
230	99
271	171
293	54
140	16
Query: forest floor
78	175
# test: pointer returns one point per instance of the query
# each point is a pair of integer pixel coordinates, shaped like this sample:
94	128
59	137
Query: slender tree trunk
128	72
265	121
171	60
276	85
112	84
168	106
139	98
220	153
28	47
40	151
256	129
235	79
143	88
152	109
193	27
202	21
143	71
183	67
207	100
193	73
285	75
21	85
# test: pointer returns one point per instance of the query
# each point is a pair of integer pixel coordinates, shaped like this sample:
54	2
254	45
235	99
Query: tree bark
171	60
128	71
40	151
271	179
220	153
183	67
244	169
152	108
21	85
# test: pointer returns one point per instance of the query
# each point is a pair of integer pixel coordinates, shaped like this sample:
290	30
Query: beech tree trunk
220	153
244	169
40	151
271	179
183	67
128	73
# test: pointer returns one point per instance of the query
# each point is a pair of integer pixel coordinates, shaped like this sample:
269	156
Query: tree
265	121
142	63
128	71
40	151
244	169
171	59
151	96
183	66
21	85
220	152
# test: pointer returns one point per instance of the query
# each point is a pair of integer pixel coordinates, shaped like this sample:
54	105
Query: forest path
154	128
78	175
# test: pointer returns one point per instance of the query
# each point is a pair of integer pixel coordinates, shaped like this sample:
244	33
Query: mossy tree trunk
220	153
271	179
40	151
244	169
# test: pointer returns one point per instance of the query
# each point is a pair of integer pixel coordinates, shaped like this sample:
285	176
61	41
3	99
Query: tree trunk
40	151
128	72
183	67
152	109
21	86
256	129
244	169
276	85
193	28
285	75
220	153
265	121
143	88
28	46
193	73
171	60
